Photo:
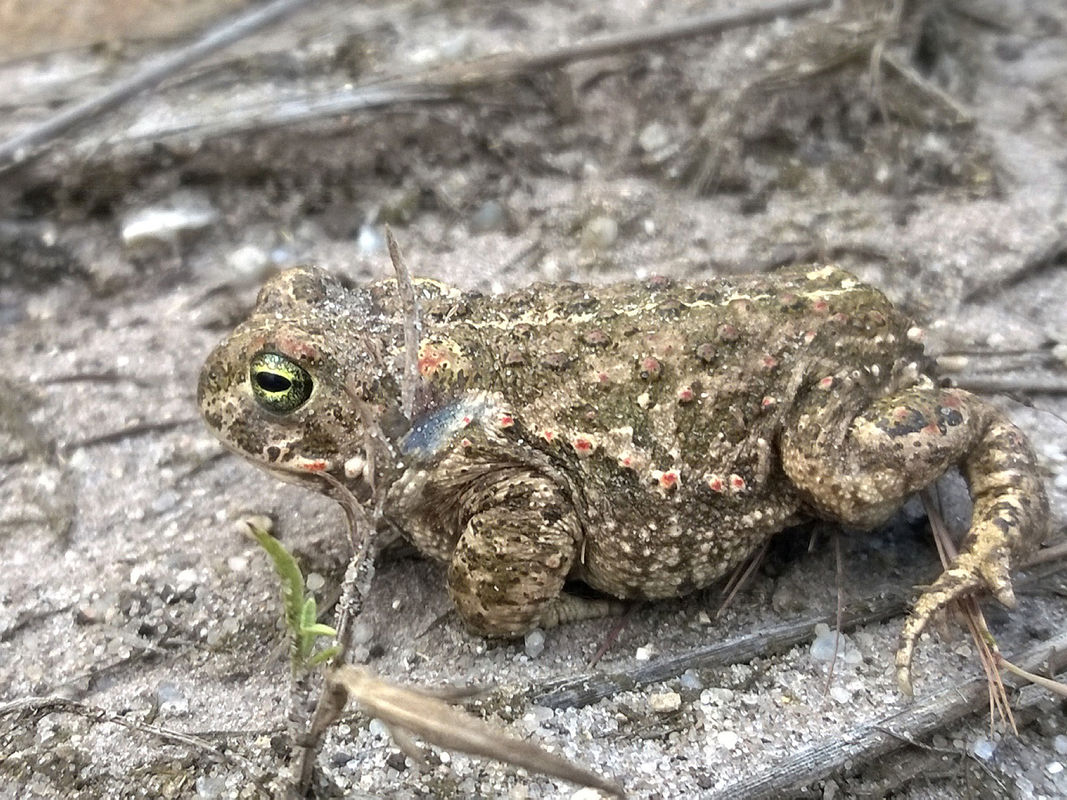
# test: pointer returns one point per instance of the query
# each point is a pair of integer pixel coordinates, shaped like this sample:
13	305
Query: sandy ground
127	585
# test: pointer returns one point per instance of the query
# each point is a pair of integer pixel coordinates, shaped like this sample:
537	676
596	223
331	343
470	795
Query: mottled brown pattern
645	438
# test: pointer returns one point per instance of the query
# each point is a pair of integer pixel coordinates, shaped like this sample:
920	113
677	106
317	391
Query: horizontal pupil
273	382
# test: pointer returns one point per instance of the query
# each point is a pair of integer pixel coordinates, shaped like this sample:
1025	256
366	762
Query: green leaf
301	610
289	571
324	655
308	614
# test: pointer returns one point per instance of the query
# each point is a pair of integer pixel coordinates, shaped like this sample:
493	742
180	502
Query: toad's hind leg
507	571
860	473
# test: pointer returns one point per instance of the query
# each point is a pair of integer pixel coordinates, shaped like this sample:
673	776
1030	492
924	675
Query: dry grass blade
612	636
740	578
1038	680
440	724
840	573
988	653
435	85
31	143
412	325
1048	554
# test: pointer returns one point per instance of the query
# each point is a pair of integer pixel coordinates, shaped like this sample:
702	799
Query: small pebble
690	680
165	500
165	223
717	696
1059	744
665	702
534	643
186	580
369	240
170	700
249	261
644	653
210	786
538	715
599	233
984	749
654	137
727	740
1054	768
839	694
825	644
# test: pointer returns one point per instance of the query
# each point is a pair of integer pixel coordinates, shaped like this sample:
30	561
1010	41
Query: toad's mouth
300	471
329	479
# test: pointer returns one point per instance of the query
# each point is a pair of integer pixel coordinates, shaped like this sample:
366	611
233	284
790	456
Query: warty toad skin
645	438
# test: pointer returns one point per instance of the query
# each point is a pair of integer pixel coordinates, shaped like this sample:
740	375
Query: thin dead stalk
32	143
412	326
988	652
431	86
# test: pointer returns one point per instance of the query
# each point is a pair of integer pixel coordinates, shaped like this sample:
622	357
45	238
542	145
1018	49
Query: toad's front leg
517	548
860	469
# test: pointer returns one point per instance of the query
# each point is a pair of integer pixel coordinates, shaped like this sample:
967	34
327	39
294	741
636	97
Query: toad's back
664	403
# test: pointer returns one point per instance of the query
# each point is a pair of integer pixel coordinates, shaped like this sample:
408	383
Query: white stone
984	749
727	740
839	694
534	643
644	653
665	702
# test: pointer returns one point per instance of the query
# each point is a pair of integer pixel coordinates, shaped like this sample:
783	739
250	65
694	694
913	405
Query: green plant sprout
301	611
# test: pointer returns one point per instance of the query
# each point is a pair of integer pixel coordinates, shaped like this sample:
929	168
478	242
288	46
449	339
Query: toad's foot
903	443
1009	519
968	575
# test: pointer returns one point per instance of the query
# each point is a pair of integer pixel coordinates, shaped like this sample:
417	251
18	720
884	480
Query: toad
644	438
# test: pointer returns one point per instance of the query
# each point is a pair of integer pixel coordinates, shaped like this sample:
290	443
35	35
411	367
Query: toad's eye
279	385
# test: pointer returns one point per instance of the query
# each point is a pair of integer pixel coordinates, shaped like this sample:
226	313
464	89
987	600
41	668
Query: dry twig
591	687
849	750
32	143
741	577
412	326
432	86
993	384
129	432
1049	254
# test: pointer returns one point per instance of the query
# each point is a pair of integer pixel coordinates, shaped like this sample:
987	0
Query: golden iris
278	383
